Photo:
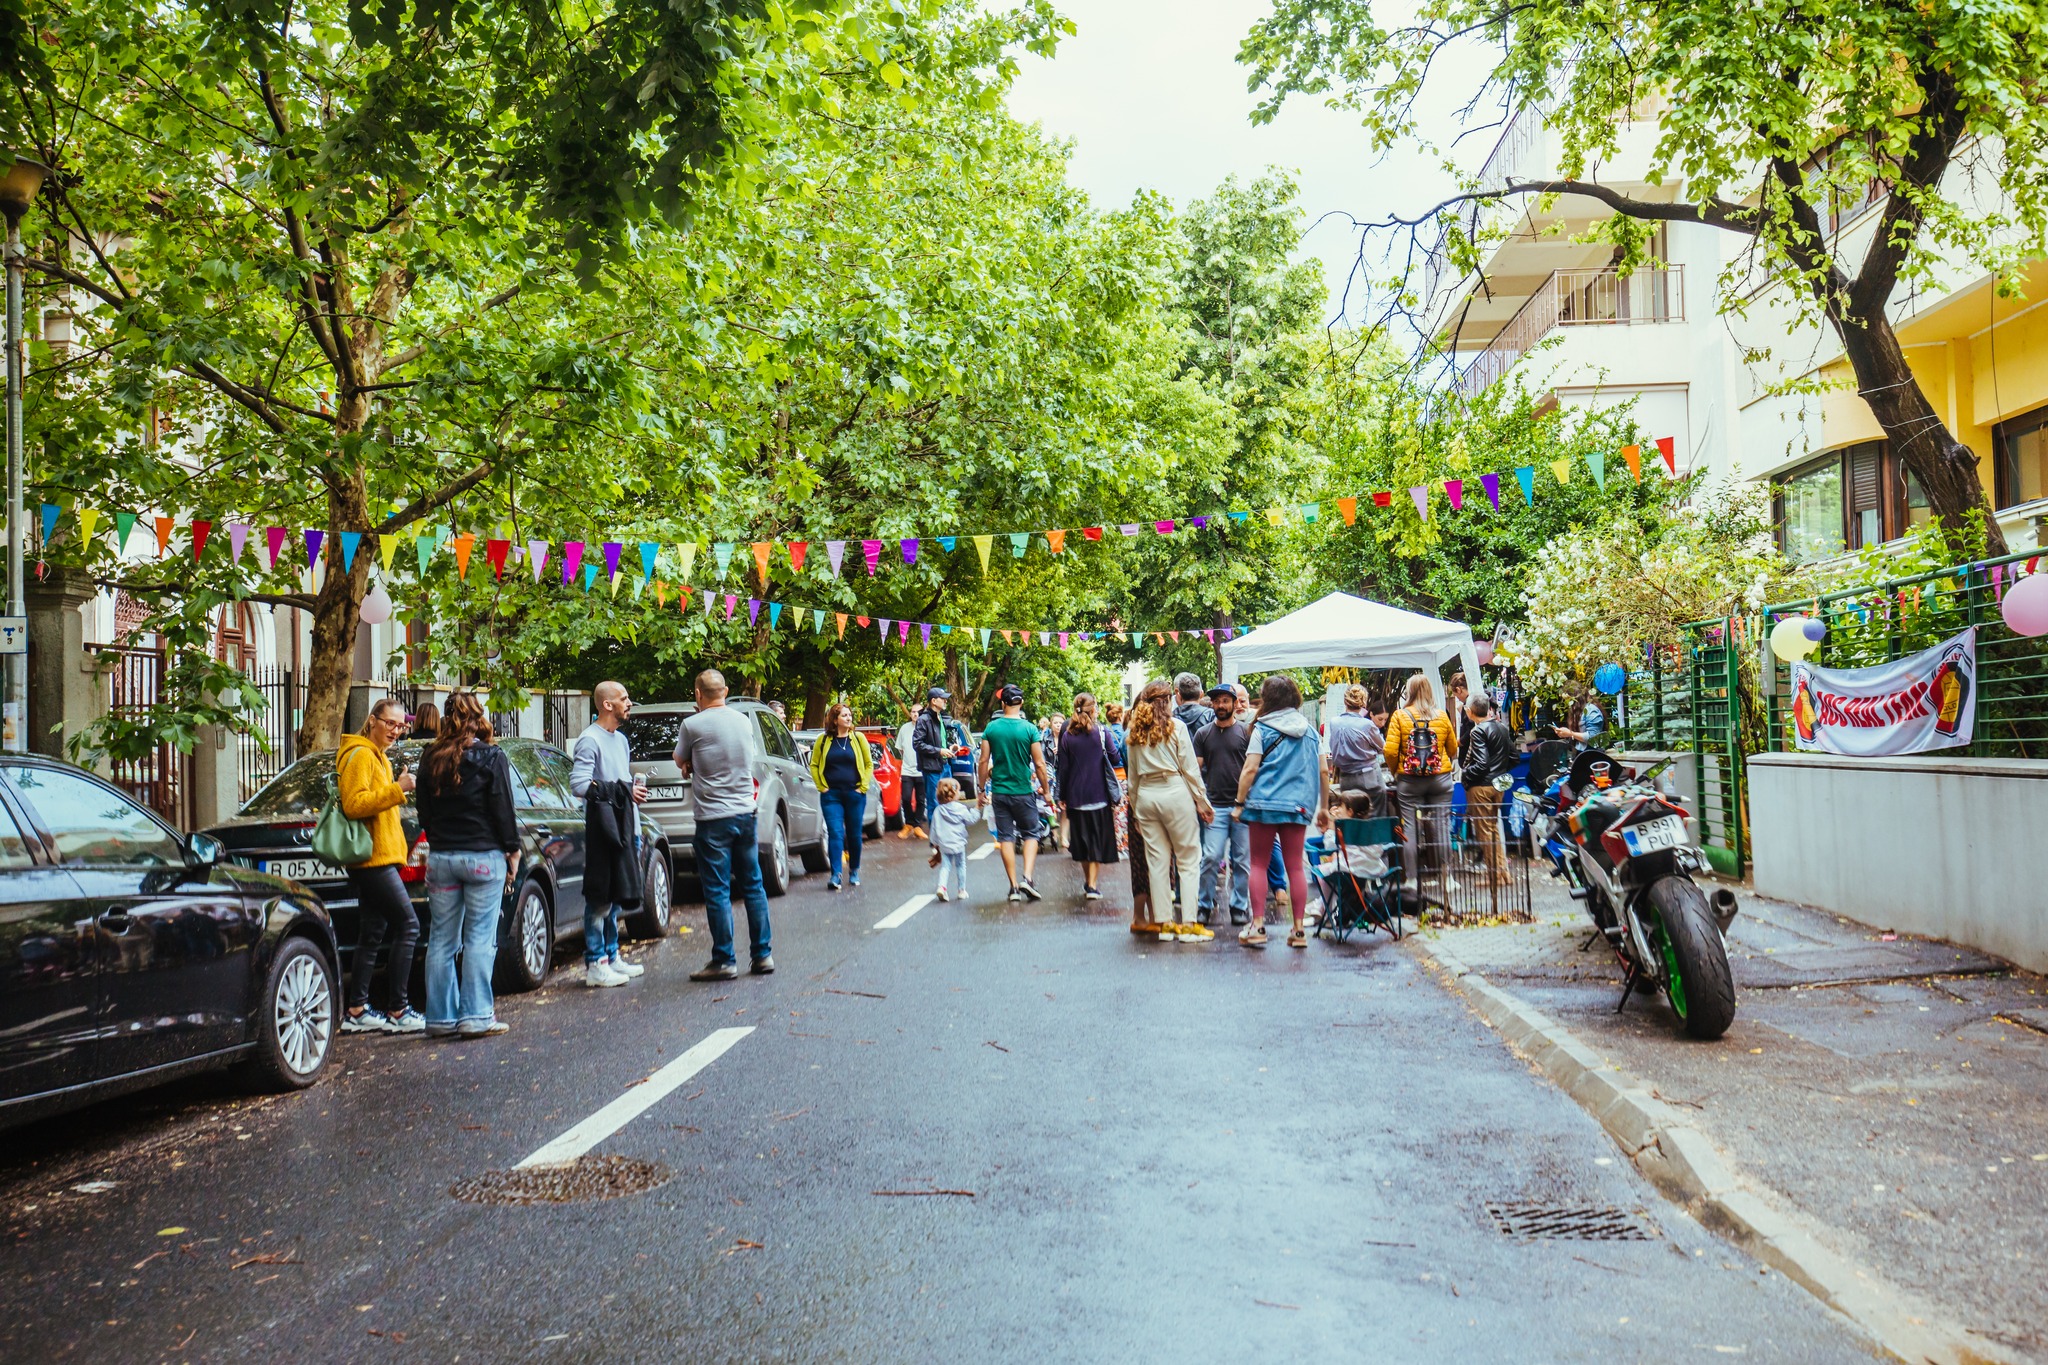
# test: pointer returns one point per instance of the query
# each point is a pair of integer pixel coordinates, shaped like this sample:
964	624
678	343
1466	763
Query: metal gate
270	745
1714	670
161	777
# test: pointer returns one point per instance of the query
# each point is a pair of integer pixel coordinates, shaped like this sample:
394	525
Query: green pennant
124	522
1596	459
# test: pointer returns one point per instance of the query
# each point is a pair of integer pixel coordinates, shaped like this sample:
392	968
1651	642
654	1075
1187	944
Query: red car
888	772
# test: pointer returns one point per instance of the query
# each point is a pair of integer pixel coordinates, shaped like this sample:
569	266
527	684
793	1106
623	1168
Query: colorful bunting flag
1057	540
1310	511
1667	446
1634	456
925	631
910	550
774	614
882	629
1596	460
650	553
423	548
817	620
797	549
753	611
536	557
1491	483
984	638
313	539
762	549
497	551
89	521
1454	489
349	541
1129	528
839	620
1563	470
200	531
464	544
981	543
1020	541
686	555
1348	509
51	511
1164	528
1525	475
163	536
835	550
387	546
1091	532
1383	500
1421	496
124	523
572	560
871	551
589	577
612	549
731	601
903	632
1199	523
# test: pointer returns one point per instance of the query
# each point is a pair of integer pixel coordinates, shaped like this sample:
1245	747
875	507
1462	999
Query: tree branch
436	500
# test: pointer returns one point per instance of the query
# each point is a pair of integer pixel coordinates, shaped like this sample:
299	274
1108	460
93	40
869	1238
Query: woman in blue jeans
465	805
843	767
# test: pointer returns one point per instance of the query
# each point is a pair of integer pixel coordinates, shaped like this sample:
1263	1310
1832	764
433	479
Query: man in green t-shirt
1010	756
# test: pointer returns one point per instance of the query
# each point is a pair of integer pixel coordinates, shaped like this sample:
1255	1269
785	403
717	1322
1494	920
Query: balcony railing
1578	298
1516	156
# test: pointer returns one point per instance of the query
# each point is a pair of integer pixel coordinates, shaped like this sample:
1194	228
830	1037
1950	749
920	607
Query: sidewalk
1895	1093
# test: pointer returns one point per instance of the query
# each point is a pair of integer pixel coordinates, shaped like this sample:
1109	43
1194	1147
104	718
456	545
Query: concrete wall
1941	846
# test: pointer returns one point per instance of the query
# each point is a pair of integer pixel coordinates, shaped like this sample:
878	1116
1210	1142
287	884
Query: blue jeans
931	795
1226	836
600	932
953	867
729	860
465	892
845	810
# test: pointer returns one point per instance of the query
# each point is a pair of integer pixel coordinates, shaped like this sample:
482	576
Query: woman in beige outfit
1169	806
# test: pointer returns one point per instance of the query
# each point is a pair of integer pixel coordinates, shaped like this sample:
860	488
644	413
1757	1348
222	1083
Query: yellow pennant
1563	470
389	545
686	554
1276	515
982	543
88	522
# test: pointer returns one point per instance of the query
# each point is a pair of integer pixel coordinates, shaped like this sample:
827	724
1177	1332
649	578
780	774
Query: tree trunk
337	614
818	695
1946	468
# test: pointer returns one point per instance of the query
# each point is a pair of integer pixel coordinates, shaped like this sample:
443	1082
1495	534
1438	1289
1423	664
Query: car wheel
875	823
775	858
656	903
815	859
295	1021
529	947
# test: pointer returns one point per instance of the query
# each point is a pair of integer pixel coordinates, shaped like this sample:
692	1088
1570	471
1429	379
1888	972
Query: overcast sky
1151	95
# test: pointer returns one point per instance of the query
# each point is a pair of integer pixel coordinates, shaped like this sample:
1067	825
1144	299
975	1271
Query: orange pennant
1634	456
463	543
839	620
761	551
660	593
1349	507
163	536
1056	539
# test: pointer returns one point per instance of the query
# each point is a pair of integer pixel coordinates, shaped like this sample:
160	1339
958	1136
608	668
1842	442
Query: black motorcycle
1622	848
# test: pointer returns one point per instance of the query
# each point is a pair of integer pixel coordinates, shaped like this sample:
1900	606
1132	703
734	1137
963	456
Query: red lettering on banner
1873	713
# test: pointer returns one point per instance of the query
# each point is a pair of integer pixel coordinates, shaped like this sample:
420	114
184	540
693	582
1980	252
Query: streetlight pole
17	191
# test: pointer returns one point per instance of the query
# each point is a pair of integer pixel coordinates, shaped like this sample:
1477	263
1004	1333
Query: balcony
1578	298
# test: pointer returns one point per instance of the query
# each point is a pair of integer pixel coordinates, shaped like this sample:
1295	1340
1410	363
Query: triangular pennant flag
839	620
903	632
871	553
1056	539
947	543
753	611
1199	523
882	628
1277	515
731	601
1348	509
1209	635
51	511
945	630
200	531
1634	456
1383	500
89	522
1421	496
313	539
1596	460
1238	516
423	548
1310	511
496	552
797	549
1092	532
1563	470
817	620
1019	542
1175	634
1137	640
1164	528
982	543
537	558
1491	483
163	536
1044	638
762	549
909	544
1229	632
984	637
774	614
572	560
835	550
1454	489
614	581
464	544
721	550
1129	528
589	577
1063	639
650	551
124	523
925	631
1525	475
349	541
387	546
1667	446
686	558
612	550
862	621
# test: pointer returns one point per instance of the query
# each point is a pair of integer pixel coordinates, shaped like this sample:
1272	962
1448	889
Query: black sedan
274	832
130	954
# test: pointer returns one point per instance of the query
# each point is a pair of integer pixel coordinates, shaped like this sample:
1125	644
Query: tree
1770	114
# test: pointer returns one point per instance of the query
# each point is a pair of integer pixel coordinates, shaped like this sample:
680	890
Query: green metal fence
1655	708
1878	624
1711	655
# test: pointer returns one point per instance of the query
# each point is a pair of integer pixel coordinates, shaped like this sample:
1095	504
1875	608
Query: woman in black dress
1086	768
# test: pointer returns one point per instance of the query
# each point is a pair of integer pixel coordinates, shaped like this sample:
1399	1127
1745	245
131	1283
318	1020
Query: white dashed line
982	852
635	1102
902	913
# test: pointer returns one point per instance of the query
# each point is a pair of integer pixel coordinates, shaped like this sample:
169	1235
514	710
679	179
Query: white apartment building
1554	315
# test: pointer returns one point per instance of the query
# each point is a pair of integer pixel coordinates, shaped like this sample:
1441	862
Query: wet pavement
989	1132
1894	1089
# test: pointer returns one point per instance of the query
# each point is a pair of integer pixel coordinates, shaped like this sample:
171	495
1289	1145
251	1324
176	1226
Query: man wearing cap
1226	841
933	747
1011	756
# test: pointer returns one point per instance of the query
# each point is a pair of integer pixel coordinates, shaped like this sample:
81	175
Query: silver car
791	820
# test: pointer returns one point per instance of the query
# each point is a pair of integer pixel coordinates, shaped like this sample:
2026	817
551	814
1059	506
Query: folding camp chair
1352	901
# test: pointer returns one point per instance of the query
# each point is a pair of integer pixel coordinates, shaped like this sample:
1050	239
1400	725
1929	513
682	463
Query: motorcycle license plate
1654	835
297	869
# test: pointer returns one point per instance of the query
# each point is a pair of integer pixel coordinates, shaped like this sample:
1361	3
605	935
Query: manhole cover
590	1177
1568	1222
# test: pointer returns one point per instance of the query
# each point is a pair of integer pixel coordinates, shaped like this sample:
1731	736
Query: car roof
685	708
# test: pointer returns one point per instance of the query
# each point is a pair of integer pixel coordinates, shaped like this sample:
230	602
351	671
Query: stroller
1361	888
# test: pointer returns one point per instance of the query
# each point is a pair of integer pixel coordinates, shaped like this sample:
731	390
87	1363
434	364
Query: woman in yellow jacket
367	792
1422	749
843	767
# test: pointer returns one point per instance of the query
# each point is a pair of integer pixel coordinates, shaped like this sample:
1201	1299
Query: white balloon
376	609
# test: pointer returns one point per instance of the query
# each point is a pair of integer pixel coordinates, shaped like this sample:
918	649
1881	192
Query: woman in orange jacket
367	792
1422	748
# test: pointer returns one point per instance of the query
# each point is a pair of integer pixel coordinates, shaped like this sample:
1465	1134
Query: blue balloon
1610	678
1815	629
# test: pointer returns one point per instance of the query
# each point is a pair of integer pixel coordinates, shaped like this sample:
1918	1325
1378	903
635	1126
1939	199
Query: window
1863	494
651	735
1811	511
1858	496
13	848
552	788
2022	446
774	737
94	825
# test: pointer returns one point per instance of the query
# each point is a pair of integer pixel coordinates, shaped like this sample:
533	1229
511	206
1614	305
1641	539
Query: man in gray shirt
603	760
715	750
1354	749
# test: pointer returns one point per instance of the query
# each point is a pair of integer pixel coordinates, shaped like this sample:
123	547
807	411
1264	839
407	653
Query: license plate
1653	835
667	793
298	869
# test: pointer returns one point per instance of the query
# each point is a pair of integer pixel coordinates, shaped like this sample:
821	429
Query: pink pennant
903	632
835	550
238	536
1421	496
1454	489
731	601
572	560
536	557
1210	636
1998	582
1164	528
1063	639
871	550
274	537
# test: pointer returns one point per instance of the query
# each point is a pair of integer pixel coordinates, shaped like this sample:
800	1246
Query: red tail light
415	869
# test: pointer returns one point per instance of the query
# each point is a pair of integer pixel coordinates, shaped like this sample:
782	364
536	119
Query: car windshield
651	735
305	786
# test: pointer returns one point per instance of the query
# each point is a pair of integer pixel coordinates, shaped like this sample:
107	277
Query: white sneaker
942	894
627	969
601	973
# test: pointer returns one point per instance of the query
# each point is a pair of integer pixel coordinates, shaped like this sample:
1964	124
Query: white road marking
982	852
634	1102
902	913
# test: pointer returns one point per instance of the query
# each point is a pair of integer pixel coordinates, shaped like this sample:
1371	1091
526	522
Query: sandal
1296	938
1253	935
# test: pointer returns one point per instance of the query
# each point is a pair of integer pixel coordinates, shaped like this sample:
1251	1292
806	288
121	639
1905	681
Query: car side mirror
203	850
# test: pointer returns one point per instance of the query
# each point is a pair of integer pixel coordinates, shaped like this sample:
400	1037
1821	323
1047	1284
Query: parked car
875	819
791	819
273	833
131	954
888	774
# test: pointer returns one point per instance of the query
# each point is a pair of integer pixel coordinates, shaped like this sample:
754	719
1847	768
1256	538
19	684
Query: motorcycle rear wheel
1698	980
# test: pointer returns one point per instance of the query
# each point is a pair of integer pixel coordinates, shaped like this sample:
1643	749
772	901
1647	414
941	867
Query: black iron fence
160	778
270	744
1462	870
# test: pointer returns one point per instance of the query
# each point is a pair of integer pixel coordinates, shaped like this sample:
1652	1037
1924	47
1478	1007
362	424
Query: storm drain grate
589	1177
1568	1222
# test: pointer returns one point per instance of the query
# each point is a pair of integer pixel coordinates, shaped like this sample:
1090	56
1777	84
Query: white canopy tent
1350	632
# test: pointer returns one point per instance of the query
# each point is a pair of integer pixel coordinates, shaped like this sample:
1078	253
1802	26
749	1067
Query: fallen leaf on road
171	1232
476	1128
1268	1303
870	995
151	1257
794	1113
268	1258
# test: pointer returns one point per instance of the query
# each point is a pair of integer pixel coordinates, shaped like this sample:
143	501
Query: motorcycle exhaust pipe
1722	902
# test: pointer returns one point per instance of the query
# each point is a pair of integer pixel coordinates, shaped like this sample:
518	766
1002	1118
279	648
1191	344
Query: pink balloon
2026	605
1485	651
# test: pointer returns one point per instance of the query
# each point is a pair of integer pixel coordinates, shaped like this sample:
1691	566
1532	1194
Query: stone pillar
65	691
216	775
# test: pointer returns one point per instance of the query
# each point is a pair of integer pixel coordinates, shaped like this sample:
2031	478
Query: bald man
715	749
602	777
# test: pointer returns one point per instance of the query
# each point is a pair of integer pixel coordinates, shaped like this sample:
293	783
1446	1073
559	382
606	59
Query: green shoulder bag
338	839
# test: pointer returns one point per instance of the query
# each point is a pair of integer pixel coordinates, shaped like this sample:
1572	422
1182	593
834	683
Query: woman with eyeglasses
367	792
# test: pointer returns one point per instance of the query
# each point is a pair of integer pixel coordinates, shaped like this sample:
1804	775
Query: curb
1681	1162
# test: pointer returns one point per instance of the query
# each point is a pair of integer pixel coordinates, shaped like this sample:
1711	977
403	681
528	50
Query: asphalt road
1177	1152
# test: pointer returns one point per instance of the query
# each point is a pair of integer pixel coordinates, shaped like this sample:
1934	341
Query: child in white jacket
948	824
